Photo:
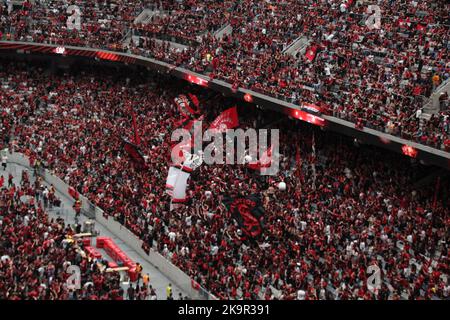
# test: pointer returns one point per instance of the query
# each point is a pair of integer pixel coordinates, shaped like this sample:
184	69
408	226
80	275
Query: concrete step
146	15
300	44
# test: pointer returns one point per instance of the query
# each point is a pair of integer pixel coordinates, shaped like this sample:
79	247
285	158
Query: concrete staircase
146	15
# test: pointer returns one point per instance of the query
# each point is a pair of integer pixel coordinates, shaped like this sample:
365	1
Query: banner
189	109
135	153
248	213
178	176
179	189
171	178
309	107
226	120
137	138
181	149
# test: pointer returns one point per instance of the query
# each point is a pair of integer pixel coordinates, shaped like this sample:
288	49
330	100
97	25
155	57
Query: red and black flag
137	138
188	105
135	153
226	120
248	213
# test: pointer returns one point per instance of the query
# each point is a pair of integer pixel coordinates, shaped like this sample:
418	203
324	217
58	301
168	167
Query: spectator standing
146	279
45	195
4	161
153	295
77	208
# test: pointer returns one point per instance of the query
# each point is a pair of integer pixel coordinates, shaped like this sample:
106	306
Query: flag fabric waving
137	138
226	120
135	153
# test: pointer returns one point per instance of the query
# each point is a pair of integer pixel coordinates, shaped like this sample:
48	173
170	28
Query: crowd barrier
118	255
175	274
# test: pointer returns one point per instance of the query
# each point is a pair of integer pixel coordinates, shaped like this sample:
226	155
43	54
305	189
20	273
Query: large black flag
248	212
135	153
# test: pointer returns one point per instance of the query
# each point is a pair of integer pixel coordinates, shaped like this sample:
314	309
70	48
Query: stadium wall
175	274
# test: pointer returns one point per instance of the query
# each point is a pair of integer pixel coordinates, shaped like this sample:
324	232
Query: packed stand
36	251
184	22
103	24
378	78
342	212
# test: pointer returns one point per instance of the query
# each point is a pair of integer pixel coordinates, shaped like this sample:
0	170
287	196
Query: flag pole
137	139
436	192
313	146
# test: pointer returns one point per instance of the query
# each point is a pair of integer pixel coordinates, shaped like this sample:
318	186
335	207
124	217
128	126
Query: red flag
313	148
137	139
193	98
311	53
226	120
188	105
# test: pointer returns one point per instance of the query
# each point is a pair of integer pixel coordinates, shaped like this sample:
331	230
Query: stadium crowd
36	251
344	209
377	78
